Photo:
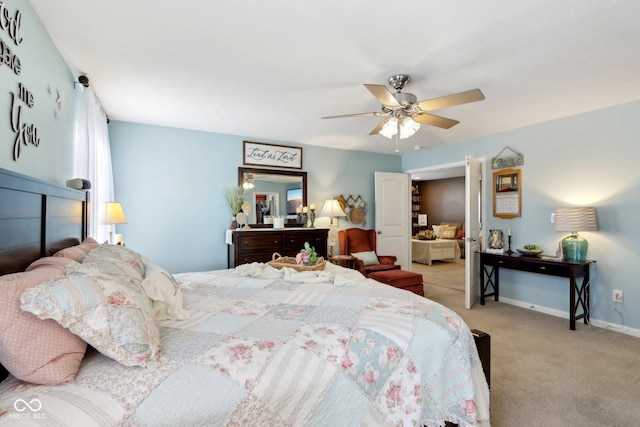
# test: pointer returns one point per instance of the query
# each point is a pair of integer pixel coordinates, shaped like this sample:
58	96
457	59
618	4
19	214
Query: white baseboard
565	315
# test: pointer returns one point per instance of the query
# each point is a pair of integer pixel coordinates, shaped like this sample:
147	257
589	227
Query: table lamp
113	214
574	247
333	210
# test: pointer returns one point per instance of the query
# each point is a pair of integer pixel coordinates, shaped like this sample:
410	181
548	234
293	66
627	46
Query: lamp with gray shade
574	247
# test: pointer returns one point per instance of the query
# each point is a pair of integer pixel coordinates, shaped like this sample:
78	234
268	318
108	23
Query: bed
426	251
245	346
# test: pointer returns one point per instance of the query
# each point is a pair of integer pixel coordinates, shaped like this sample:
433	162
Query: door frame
483	199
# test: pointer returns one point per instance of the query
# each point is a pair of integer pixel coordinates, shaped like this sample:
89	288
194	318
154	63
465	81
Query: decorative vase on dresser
259	245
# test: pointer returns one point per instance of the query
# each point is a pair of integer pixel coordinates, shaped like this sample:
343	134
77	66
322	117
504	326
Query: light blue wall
585	160
171	183
42	67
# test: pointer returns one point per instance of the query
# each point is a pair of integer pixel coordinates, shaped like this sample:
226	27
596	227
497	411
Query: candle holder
509	251
312	217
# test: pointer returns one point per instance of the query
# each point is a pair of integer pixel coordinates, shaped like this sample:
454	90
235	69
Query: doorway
471	214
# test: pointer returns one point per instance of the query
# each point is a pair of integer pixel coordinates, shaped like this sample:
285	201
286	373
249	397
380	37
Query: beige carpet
544	374
442	273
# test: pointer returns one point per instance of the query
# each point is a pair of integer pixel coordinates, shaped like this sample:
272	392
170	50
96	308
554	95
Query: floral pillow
118	261
106	311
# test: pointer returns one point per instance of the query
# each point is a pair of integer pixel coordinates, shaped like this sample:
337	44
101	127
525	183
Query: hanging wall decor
507	200
356	209
507	161
261	154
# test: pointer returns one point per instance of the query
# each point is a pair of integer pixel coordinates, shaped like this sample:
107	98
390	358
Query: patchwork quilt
279	348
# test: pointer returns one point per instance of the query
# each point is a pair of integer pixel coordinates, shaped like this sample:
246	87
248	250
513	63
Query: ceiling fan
405	113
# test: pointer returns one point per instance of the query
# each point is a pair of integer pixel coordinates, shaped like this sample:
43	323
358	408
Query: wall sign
25	133
507	161
260	154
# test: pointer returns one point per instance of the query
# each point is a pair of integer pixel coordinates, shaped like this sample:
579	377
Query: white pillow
162	288
368	258
437	230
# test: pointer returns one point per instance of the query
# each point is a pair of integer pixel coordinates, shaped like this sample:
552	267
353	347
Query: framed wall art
507	187
261	154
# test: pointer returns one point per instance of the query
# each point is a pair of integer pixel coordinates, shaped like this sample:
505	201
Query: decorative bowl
530	252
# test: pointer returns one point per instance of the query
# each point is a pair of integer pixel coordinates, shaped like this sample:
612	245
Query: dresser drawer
295	241
257	256
265	242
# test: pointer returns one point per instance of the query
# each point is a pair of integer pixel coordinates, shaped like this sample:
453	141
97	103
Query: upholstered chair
361	243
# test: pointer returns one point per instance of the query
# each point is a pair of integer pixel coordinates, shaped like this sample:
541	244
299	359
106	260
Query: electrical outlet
617	295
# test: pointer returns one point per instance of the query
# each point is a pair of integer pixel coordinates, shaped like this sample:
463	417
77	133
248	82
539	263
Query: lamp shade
406	125
332	209
574	247
113	214
576	219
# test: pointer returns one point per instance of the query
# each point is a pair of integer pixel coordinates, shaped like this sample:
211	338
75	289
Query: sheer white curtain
93	159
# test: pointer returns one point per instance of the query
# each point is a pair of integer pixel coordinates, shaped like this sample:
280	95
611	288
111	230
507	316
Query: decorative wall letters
25	133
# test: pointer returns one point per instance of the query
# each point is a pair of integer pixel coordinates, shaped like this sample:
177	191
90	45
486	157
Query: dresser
258	245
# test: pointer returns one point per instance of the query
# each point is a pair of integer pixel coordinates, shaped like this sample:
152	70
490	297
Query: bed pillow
368	258
110	313
449	231
163	290
60	264
118	261
460	235
34	350
78	252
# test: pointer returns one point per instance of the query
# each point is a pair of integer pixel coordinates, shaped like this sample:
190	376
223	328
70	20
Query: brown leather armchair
354	240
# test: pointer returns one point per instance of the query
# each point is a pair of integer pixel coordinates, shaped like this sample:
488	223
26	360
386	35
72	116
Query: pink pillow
58	263
34	350
78	252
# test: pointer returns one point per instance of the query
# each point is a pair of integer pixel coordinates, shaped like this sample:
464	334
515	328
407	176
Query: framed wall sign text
260	154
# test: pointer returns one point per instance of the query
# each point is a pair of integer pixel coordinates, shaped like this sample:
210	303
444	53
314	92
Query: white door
472	226
393	218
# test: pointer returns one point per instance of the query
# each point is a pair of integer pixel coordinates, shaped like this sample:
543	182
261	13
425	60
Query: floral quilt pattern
268	351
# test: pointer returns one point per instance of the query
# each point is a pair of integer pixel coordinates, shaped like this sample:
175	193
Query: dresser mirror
273	193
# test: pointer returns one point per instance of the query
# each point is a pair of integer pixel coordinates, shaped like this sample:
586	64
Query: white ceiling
269	70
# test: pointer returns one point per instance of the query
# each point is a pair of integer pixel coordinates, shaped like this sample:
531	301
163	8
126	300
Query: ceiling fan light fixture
389	128
407	126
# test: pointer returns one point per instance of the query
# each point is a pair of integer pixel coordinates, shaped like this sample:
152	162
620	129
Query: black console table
490	265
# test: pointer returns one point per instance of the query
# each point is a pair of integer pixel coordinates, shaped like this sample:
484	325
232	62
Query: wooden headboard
37	219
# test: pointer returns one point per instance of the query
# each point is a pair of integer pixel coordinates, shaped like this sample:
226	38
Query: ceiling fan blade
433	120
373	113
472	95
382	94
378	128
